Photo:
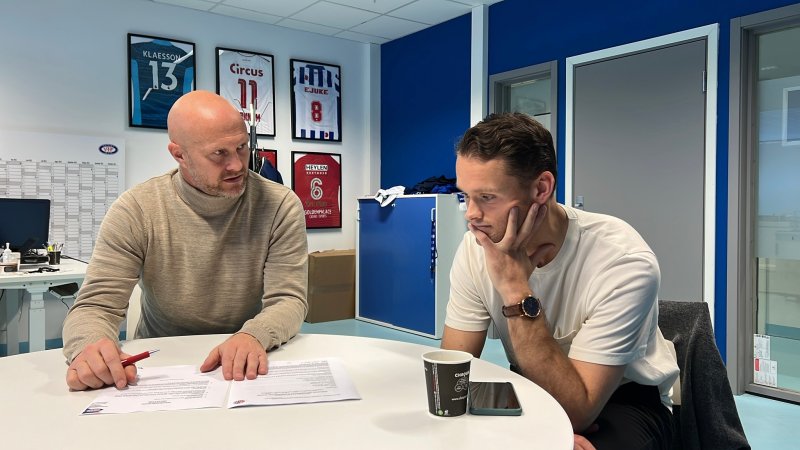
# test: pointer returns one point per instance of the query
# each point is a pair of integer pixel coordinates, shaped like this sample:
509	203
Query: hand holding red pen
99	365
136	358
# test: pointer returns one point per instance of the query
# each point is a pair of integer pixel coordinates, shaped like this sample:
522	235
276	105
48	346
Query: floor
768	424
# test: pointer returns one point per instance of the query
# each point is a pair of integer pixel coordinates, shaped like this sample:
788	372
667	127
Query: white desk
36	284
393	413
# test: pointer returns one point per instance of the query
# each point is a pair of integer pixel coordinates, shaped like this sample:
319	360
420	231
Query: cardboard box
331	285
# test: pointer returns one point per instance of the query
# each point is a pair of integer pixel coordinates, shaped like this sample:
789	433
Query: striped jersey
317	102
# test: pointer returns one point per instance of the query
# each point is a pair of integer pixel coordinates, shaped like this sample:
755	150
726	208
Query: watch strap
513	310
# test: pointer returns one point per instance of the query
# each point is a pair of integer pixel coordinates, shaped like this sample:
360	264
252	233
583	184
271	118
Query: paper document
164	388
185	387
321	380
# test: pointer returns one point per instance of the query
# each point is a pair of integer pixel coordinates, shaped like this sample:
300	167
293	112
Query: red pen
133	359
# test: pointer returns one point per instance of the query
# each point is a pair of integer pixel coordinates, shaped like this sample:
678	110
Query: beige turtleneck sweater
206	264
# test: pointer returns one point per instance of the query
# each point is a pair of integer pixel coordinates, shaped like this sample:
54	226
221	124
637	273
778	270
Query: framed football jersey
246	79
159	71
317	181
269	155
316	101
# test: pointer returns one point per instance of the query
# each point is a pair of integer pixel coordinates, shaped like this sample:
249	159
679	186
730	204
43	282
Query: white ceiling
370	21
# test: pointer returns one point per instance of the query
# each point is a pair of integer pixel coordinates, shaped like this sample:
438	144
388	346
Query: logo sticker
108	149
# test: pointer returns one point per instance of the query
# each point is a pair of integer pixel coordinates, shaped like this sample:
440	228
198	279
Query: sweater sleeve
284	302
114	269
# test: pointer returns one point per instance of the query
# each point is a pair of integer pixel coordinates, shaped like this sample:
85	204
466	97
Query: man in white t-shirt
574	295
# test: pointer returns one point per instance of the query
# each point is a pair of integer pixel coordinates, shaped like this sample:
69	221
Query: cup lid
447	356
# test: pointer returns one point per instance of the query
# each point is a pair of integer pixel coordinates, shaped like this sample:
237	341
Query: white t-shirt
600	296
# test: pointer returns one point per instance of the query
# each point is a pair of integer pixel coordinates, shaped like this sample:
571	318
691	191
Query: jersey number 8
316	111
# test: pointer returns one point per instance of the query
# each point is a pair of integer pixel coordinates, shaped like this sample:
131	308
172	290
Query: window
764	240
530	90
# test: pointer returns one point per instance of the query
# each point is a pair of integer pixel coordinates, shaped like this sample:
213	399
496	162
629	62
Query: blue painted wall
425	98
417	138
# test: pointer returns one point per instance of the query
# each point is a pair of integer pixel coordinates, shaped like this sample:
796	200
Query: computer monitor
24	223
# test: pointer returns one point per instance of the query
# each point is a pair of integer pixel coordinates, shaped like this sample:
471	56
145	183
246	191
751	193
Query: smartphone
489	398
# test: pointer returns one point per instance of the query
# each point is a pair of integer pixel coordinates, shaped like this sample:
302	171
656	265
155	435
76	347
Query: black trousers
633	419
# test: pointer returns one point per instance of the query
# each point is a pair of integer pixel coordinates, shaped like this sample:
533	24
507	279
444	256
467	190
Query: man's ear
543	187
177	152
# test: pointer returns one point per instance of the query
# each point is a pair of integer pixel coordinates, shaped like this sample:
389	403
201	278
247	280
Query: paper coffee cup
447	381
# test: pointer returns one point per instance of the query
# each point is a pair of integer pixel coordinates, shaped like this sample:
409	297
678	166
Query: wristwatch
530	307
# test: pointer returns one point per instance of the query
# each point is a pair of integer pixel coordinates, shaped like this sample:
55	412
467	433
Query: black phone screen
492	396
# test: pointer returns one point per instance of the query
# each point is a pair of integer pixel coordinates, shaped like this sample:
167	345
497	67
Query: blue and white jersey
317	101
161	72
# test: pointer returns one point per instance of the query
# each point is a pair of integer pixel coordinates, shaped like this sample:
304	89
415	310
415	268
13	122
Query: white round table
41	413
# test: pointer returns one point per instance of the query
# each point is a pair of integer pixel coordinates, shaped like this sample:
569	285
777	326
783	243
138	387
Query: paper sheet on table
288	382
164	389
185	387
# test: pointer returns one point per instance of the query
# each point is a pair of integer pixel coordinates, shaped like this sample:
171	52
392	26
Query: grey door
639	140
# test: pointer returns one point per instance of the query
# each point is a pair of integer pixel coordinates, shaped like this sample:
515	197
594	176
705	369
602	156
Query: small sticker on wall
462	204
761	346
765	372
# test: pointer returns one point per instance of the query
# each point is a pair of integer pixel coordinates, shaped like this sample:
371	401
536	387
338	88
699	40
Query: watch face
531	307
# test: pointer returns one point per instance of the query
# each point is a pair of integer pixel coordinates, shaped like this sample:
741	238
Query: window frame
742	184
500	84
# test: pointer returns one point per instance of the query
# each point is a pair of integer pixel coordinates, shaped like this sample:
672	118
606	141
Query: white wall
64	70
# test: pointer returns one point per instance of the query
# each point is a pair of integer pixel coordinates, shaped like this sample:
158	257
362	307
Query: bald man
215	248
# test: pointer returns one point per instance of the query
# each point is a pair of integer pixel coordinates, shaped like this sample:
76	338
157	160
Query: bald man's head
199	112
208	139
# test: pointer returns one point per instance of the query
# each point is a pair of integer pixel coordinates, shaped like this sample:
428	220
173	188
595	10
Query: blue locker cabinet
404	252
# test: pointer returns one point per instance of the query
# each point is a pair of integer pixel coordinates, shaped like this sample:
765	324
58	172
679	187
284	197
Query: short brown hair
524	144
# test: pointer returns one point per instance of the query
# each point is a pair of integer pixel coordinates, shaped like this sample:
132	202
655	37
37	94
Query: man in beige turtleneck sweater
215	247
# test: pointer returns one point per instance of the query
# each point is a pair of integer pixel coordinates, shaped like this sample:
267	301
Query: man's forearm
277	322
542	361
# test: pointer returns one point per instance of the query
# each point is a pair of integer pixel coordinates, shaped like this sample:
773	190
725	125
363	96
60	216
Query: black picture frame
316	91
317	181
243	76
263	157
270	154
166	67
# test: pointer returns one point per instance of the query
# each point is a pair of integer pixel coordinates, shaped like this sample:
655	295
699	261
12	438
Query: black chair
707	417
